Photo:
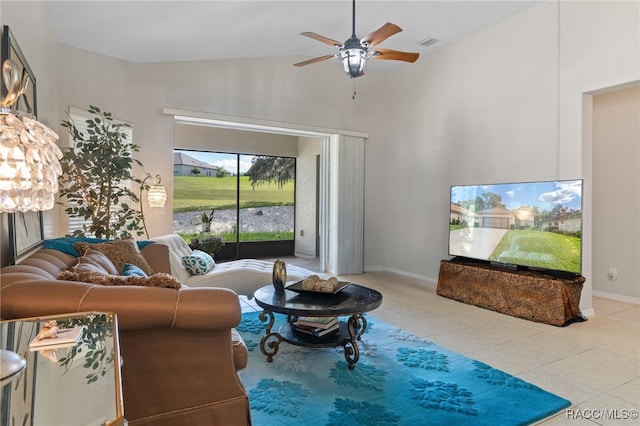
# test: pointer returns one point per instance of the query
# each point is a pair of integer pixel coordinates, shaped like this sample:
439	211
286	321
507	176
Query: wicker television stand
529	295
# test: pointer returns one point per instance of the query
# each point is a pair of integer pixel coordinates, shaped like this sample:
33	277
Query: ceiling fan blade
313	61
395	55
322	39
381	34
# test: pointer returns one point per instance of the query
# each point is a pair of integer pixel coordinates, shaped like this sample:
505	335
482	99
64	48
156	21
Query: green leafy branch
97	169
94	338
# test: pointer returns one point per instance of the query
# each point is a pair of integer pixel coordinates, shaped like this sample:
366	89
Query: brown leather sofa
180	350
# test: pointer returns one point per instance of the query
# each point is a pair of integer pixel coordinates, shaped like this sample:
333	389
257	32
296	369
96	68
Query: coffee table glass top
352	299
67	385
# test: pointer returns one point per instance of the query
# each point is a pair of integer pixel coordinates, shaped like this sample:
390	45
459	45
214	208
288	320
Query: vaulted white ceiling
167	31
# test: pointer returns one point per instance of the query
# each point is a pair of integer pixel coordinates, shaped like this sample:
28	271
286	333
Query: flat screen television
524	225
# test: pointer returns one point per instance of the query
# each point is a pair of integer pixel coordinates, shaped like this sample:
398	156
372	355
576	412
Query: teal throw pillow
129	270
198	262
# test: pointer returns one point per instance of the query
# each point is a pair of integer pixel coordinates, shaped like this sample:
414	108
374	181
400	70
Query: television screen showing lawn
531	224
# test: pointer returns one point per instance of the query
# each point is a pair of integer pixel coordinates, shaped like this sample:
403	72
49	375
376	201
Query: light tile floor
594	364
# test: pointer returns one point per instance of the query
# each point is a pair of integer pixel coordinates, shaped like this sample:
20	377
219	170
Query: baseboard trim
618	297
304	255
427	280
589	313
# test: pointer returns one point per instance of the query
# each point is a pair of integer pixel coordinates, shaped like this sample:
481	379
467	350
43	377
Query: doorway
246	201
339	222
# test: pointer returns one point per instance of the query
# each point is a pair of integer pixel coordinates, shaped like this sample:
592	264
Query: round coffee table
352	301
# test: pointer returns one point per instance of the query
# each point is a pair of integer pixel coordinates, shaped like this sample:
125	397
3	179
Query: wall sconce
156	195
29	165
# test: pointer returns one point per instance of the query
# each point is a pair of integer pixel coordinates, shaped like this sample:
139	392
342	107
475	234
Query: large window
253	198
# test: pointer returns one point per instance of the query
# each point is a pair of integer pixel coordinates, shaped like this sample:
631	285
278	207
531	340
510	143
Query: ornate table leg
267	346
356	325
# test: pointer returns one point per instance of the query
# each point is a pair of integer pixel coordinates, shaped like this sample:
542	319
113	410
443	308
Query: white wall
480	111
616	185
502	105
505	104
268	89
306	205
207	138
34	32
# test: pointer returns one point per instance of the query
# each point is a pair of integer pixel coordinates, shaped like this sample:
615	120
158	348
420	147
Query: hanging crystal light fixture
29	165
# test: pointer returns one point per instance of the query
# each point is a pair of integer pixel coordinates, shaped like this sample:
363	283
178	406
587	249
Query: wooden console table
524	294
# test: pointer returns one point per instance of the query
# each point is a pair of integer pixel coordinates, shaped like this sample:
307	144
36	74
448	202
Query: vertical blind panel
346	253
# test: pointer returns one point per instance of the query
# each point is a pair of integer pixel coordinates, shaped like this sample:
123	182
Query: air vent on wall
428	41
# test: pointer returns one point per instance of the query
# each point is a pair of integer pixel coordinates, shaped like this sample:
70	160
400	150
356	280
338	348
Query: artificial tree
97	175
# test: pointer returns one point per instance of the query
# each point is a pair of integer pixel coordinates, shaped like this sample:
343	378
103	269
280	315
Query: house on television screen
496	217
566	223
461	216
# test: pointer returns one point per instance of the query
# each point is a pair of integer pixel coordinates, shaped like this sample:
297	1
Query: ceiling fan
354	52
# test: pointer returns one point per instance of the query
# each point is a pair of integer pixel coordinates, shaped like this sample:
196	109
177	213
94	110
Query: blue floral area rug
400	379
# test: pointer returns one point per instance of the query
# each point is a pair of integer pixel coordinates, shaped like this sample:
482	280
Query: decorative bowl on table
315	284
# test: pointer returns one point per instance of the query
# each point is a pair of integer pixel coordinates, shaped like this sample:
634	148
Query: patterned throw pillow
119	252
129	270
198	262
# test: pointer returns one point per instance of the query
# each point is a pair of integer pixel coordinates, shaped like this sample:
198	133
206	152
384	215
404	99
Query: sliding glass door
252	199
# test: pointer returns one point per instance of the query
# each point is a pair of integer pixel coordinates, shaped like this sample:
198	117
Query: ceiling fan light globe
353	61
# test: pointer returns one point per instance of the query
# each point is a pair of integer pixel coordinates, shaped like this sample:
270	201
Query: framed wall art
28	232
27	102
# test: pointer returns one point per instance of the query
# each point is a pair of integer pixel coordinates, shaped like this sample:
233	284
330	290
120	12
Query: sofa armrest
137	307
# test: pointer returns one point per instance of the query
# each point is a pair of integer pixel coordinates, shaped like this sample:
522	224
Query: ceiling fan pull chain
354	89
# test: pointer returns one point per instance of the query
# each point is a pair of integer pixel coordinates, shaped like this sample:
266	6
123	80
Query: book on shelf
65	337
317	322
315	331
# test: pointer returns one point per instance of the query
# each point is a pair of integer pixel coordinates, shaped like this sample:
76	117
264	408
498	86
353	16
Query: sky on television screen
544	195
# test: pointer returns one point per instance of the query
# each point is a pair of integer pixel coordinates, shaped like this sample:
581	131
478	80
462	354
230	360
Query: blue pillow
129	270
65	244
198	262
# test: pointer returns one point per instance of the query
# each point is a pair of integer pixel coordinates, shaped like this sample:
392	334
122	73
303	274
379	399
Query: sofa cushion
160	279
244	276
177	248
95	262
198	262
119	252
